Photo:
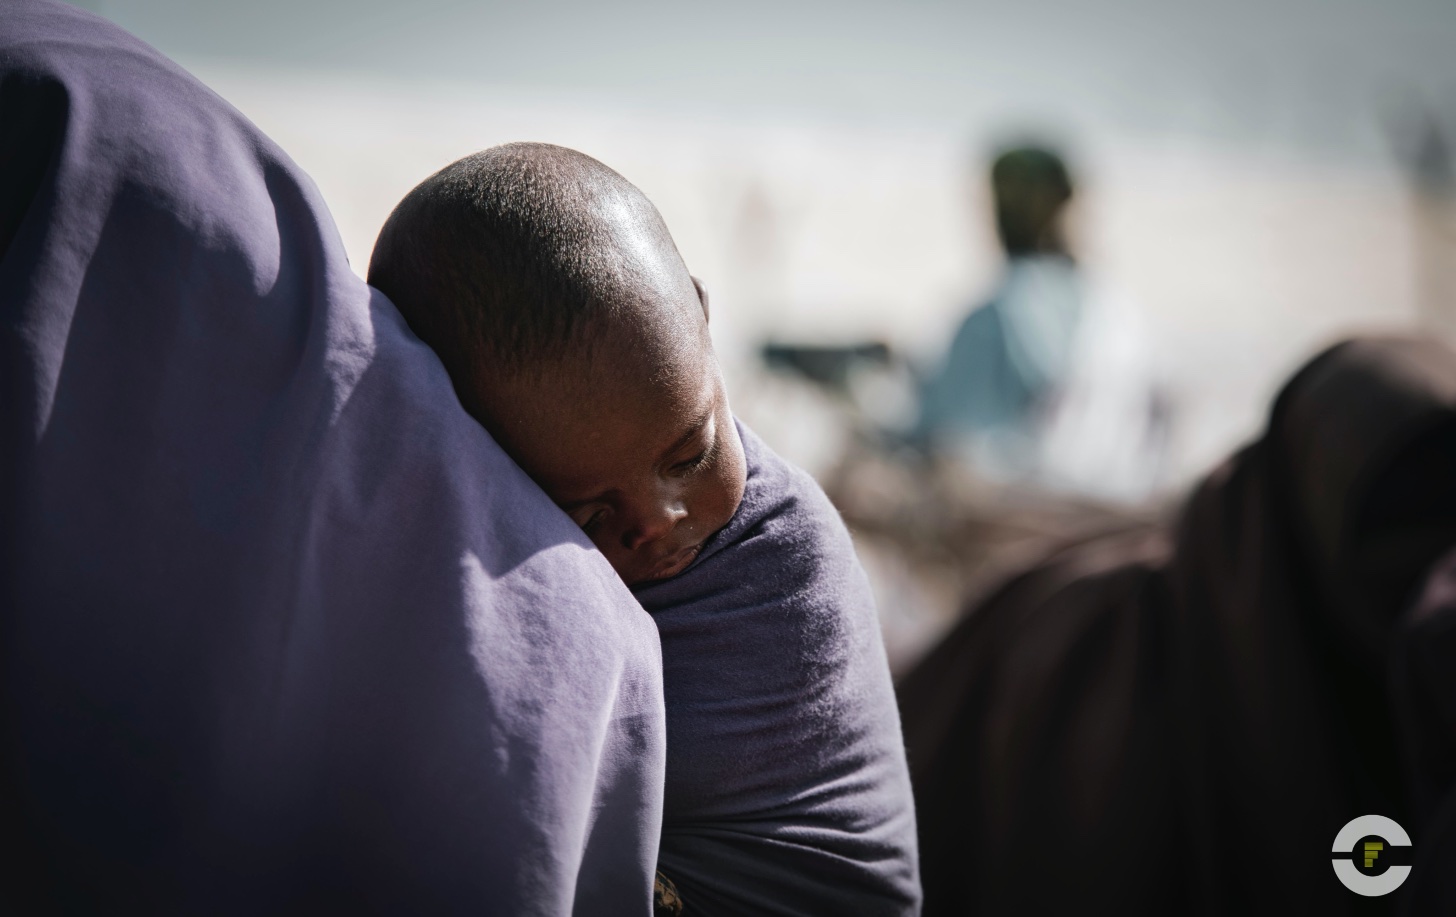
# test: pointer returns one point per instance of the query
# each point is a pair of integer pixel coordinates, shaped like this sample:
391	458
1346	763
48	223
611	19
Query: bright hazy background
1245	167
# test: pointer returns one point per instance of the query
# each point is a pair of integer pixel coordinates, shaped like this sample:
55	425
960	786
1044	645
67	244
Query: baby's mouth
674	564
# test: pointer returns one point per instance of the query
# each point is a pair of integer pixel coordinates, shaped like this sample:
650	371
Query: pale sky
1318	78
1236	158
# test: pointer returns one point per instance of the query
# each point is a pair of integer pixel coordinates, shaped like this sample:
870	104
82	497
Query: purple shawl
281	628
787	790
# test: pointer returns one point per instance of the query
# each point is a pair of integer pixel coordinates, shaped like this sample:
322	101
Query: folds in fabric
1181	720
787	791
282	628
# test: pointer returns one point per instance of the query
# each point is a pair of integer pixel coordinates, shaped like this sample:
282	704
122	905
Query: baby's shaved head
572	331
510	260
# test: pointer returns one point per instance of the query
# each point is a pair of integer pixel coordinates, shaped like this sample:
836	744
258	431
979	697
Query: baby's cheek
727	492
619	557
607	540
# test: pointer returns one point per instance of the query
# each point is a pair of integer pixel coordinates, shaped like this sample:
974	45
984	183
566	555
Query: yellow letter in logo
1372	850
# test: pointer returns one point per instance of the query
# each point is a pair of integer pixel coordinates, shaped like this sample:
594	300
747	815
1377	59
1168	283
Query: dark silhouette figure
1179	720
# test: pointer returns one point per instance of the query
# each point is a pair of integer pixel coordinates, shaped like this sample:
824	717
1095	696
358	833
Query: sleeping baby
551	290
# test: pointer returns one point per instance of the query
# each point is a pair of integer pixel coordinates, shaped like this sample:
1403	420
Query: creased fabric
1423	687
787	791
281	628
1179	720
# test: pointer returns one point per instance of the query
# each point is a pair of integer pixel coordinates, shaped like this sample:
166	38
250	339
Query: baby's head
552	292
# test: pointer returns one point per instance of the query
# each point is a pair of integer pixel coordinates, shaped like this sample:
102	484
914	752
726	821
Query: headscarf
281	628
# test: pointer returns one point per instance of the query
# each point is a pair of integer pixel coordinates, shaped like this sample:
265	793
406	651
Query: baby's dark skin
633	439
571	329
570	326
631	434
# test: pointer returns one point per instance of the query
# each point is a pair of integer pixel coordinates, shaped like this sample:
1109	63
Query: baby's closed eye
703	458
589	517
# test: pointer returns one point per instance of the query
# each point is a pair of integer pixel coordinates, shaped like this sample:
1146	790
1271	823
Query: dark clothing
1423	687
282	630
1180	721
786	784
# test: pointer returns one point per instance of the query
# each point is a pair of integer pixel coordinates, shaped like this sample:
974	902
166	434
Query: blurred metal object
939	534
827	365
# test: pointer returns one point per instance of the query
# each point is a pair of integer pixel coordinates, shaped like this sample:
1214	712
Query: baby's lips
676	563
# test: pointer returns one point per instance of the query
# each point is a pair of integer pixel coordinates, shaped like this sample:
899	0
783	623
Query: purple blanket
787	791
281	628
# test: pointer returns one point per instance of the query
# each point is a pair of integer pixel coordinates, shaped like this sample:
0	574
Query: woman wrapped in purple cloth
282	629
560	306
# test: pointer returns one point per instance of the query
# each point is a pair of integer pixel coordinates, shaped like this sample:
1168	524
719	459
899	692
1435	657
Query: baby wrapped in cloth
561	308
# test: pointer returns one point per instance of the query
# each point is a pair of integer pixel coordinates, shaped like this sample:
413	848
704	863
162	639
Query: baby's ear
702	296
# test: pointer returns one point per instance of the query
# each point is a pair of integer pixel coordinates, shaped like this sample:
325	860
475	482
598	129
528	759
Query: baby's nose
654	524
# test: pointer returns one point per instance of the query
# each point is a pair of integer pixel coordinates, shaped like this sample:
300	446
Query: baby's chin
670	566
674	562
715	505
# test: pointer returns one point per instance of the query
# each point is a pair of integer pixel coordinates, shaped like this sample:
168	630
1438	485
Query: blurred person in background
1050	382
1044	422
1178	719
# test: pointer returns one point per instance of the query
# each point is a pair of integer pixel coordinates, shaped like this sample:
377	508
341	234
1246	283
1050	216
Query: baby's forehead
645	360
608	419
621	371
